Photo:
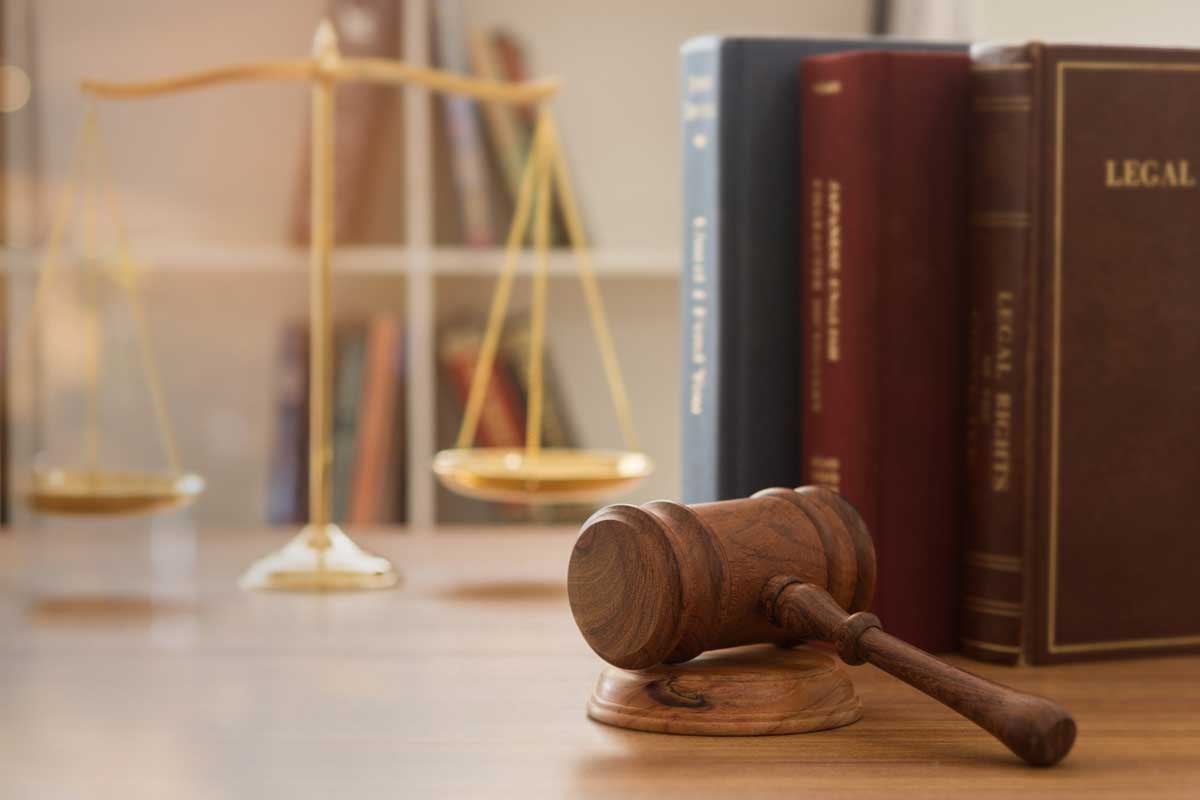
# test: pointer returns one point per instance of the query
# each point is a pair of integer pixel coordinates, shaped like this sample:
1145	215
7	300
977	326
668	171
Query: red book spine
883	162
841	151
501	423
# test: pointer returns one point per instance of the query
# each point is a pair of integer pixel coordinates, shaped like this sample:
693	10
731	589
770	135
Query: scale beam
337	70
322	557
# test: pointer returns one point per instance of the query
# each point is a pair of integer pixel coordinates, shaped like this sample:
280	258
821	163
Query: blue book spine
699	307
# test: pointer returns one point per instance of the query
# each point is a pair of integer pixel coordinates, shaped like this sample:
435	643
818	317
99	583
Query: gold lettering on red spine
816	287
833	281
826	471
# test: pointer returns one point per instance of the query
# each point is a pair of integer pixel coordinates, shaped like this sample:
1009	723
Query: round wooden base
744	691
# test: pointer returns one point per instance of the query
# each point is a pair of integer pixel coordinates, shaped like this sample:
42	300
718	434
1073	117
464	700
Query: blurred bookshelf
209	183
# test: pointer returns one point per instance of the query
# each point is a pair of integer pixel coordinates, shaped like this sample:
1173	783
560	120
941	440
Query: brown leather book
372	492
883	161
1085	335
366	29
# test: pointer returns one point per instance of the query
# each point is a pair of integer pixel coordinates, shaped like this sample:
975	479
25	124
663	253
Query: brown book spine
1003	171
883	160
377	419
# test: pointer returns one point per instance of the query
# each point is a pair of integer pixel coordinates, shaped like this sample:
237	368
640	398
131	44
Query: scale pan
508	475
64	491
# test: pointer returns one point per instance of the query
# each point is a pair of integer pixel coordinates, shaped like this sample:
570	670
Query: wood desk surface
131	666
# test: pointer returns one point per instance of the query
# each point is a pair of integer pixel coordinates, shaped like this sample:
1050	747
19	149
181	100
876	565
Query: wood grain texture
469	681
1039	730
756	690
665	581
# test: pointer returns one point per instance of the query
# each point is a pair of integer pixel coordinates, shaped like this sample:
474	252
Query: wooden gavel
663	582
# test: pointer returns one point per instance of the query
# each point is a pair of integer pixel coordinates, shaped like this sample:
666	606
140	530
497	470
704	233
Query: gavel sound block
659	584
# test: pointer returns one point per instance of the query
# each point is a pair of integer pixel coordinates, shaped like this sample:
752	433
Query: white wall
1160	22
214	164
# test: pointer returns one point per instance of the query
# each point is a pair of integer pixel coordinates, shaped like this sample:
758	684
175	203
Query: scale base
302	565
744	691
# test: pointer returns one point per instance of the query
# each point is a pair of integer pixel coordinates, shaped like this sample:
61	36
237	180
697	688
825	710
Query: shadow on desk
515	591
98	609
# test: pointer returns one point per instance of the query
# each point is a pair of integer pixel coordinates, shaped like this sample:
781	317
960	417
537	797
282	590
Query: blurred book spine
5	360
373	495
366	29
350	345
369	486
501	423
557	429
515	352
468	161
508	131
503	415
287	483
498	55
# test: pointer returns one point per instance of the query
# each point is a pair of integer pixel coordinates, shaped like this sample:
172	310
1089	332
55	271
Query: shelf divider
420	325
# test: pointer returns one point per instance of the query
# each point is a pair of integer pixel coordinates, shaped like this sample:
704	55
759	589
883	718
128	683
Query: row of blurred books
368	424
369	392
486	179
480	148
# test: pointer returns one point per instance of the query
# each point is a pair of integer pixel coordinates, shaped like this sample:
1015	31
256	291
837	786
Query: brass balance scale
93	488
322	557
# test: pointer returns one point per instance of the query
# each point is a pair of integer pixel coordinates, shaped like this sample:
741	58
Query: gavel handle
1037	729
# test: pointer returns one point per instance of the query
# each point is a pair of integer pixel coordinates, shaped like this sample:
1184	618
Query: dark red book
883	158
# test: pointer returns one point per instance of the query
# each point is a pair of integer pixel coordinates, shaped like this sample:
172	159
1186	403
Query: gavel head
664	582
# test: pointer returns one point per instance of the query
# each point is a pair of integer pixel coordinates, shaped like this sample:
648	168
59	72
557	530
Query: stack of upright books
958	288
